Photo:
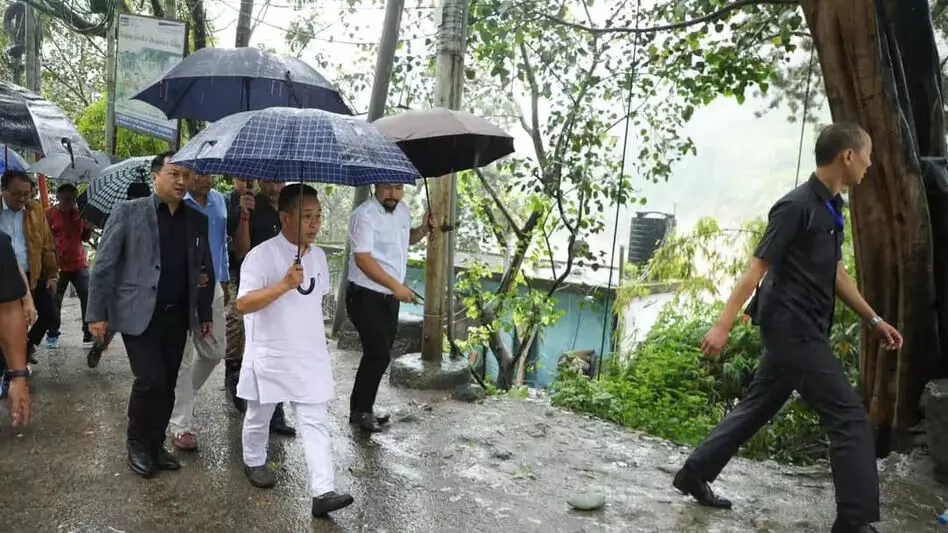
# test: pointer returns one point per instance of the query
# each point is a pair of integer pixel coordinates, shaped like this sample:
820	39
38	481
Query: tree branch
534	107
495	228
57	9
710	17
939	8
500	204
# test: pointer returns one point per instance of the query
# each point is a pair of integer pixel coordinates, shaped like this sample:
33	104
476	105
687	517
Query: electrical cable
806	109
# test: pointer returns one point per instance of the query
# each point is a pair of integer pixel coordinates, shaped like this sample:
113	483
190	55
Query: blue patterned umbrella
307	145
11	160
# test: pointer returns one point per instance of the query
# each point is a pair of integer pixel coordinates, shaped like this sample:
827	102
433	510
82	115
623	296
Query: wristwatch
13	374
875	321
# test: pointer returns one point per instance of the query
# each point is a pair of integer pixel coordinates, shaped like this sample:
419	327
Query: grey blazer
124	281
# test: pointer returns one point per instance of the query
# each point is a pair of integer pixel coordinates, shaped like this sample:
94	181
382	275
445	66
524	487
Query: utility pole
449	85
32	37
383	78
111	67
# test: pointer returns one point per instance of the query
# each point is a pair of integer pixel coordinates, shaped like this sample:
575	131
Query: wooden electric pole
449	85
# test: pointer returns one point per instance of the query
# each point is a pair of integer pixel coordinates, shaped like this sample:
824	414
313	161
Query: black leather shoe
140	461
842	527
278	423
260	476
31	354
95	355
688	482
366	422
329	502
355	417
165	461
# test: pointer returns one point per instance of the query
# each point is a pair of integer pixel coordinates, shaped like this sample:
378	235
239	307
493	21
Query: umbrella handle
67	144
308	290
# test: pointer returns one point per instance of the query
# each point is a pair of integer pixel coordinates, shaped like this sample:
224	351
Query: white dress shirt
373	230
286	358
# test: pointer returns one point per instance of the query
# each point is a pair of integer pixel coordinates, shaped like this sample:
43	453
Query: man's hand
714	340
29	311
293	277
891	338
202	281
403	294
430	222
247	204
20	402
98	329
51	285
206	329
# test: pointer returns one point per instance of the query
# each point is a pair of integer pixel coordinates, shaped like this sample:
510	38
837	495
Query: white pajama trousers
201	356
313	421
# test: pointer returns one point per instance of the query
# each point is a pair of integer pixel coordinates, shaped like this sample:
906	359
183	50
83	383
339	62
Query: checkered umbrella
307	145
111	187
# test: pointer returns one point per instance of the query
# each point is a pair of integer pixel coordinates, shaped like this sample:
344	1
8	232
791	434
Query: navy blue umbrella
305	145
213	83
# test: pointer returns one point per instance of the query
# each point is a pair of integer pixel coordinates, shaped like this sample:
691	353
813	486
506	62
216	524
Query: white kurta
286	358
384	235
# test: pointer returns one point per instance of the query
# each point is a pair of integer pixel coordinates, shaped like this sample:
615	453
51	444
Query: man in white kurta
286	358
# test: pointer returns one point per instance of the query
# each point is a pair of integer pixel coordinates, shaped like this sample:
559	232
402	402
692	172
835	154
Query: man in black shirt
153	282
258	221
801	254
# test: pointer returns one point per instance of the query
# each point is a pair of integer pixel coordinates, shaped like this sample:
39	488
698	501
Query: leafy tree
91	125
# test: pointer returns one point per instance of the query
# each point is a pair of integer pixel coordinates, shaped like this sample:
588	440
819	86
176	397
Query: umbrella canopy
64	168
440	141
12	160
213	83
31	122
305	145
111	187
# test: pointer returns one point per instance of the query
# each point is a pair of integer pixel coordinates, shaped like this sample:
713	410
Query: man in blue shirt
204	352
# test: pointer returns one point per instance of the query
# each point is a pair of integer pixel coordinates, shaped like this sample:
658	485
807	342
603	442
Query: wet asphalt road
444	466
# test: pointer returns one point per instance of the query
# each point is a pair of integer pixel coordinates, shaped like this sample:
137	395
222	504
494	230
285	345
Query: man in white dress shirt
379	235
286	358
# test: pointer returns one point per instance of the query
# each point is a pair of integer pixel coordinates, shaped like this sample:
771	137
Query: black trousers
810	368
375	317
155	358
79	280
46	313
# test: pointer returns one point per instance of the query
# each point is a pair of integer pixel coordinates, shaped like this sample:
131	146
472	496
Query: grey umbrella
31	122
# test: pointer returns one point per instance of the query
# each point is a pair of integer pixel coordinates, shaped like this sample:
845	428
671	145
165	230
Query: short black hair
836	138
137	189
290	196
10	175
67	187
159	161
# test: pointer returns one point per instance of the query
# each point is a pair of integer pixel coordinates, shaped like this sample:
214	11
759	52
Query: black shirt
12	287
172	235
803	246
264	222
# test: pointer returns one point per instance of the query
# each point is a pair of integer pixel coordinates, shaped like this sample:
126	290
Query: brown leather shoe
186	442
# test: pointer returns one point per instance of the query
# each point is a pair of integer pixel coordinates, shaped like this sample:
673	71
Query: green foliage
91	125
667	388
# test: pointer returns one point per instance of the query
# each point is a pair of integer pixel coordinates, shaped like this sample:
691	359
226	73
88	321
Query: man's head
847	148
300	201
66	196
200	185
389	194
17	189
240	185
170	180
271	190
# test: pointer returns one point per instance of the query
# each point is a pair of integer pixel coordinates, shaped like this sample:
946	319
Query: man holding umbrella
380	233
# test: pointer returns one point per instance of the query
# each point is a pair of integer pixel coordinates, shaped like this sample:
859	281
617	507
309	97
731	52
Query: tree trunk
892	231
244	28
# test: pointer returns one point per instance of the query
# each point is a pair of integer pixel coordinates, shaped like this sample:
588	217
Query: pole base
411	372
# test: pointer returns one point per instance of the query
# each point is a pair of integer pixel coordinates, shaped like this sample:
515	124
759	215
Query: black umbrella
214	83
440	141
30	122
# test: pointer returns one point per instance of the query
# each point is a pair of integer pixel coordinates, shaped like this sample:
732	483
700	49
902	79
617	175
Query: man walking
286	358
23	220
380	233
69	233
801	254
259	221
205	351
16	313
152	282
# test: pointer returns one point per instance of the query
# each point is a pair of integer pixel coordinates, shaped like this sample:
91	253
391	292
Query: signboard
146	49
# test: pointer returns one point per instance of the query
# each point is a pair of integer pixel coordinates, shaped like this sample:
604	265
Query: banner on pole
147	48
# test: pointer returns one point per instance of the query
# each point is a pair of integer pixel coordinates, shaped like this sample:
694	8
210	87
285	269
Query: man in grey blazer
152	281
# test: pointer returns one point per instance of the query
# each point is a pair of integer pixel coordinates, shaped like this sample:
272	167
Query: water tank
648	231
